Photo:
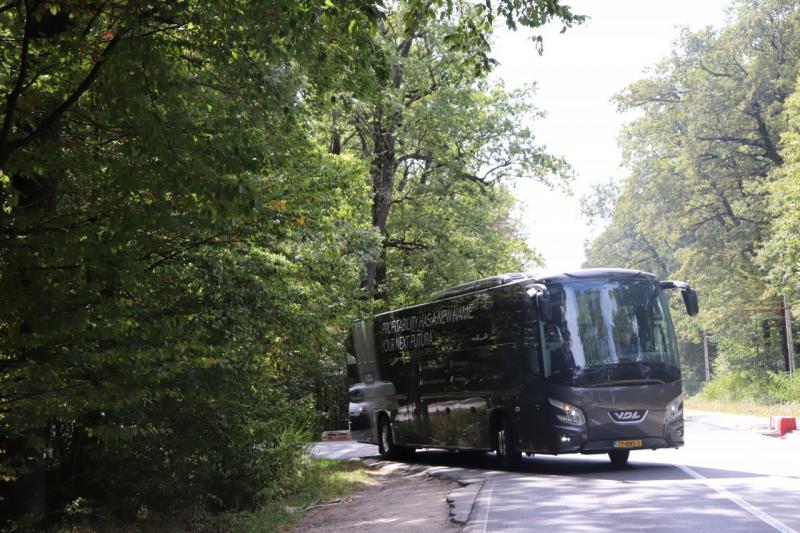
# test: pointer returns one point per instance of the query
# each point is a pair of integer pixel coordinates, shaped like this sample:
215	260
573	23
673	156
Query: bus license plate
637	443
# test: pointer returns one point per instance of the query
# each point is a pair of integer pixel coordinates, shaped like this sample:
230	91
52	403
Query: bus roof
593	273
544	278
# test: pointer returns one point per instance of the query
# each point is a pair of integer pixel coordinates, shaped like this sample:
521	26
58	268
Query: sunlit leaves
698	202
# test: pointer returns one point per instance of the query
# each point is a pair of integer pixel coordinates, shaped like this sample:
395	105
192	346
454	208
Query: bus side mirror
688	293
543	302
690	301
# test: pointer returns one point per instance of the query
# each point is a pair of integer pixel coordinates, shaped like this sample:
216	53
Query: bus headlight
674	408
569	413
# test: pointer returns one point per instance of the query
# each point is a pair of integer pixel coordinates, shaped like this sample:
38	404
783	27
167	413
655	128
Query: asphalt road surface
722	480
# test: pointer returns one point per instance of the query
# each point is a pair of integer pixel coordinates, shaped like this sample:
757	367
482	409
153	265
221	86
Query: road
722	480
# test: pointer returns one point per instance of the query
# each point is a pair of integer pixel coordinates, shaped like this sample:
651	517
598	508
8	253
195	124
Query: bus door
418	415
532	413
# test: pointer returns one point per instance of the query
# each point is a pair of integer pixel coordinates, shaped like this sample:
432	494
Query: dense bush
762	387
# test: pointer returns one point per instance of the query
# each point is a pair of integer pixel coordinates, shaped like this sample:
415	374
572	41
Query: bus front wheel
508	457
619	457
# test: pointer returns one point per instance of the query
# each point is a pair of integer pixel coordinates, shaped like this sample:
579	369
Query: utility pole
704	333
787	313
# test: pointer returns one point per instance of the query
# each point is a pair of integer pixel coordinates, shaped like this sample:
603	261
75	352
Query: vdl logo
627	417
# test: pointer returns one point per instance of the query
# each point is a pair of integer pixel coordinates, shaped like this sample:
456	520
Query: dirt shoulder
398	501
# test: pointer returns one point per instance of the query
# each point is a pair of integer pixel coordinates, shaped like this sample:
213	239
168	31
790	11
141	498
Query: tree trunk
782	329
384	163
38	200
382	176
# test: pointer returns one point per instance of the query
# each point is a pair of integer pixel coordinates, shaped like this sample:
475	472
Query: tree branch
416	156
54	115
16	91
402	244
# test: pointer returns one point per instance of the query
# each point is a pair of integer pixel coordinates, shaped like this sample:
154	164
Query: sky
578	74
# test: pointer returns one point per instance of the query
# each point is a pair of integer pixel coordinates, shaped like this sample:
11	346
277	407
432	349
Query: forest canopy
711	193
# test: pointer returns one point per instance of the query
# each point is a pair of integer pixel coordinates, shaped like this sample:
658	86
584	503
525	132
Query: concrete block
783	424
335	435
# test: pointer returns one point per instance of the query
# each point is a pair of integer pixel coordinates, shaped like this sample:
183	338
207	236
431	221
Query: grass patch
743	407
326	479
322	479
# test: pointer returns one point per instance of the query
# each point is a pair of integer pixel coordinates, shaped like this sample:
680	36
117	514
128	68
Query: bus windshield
609	332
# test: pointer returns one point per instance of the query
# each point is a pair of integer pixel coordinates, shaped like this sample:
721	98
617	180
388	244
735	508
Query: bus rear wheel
508	457
386	445
619	457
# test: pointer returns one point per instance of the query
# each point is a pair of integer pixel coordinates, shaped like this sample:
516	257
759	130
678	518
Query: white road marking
758	513
488	506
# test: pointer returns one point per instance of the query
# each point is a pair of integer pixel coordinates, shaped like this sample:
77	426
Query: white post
787	313
705	353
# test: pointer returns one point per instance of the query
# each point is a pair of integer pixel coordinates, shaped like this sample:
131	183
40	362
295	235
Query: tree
449	232
437	121
779	256
167	230
695	204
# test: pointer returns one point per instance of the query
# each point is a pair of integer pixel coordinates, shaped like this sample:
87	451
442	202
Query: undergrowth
322	480
326	479
765	394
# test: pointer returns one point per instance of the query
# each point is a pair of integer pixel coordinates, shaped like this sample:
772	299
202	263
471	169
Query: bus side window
548	367
530	345
532	356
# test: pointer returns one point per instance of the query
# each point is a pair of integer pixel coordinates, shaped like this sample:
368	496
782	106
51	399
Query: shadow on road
597	467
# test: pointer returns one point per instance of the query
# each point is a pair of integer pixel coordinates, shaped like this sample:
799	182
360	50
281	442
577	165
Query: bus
575	362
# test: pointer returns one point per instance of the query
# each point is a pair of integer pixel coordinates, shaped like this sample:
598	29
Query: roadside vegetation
744	407
324	480
774	393
316	483
712	197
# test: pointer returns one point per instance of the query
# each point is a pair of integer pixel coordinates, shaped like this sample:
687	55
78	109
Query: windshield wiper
646	369
583	375
619	382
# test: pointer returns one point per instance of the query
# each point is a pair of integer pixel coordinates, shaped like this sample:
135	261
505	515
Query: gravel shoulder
399	501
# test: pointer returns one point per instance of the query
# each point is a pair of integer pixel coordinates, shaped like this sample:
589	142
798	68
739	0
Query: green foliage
444	234
471	24
759	387
175	273
438	136
452	218
780	254
700	200
322	480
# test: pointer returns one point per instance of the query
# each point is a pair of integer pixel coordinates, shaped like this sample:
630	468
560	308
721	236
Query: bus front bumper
571	439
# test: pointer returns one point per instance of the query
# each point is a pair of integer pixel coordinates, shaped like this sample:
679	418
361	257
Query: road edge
460	501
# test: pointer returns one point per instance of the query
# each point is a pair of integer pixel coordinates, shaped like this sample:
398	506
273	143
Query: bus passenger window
532	357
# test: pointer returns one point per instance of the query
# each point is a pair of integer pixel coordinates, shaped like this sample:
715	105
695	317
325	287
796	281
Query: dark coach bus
578	362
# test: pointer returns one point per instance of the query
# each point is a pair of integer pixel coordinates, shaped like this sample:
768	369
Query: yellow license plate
637	443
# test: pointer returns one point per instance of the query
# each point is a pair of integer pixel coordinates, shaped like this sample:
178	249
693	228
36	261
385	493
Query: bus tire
619	457
386	445
508	457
